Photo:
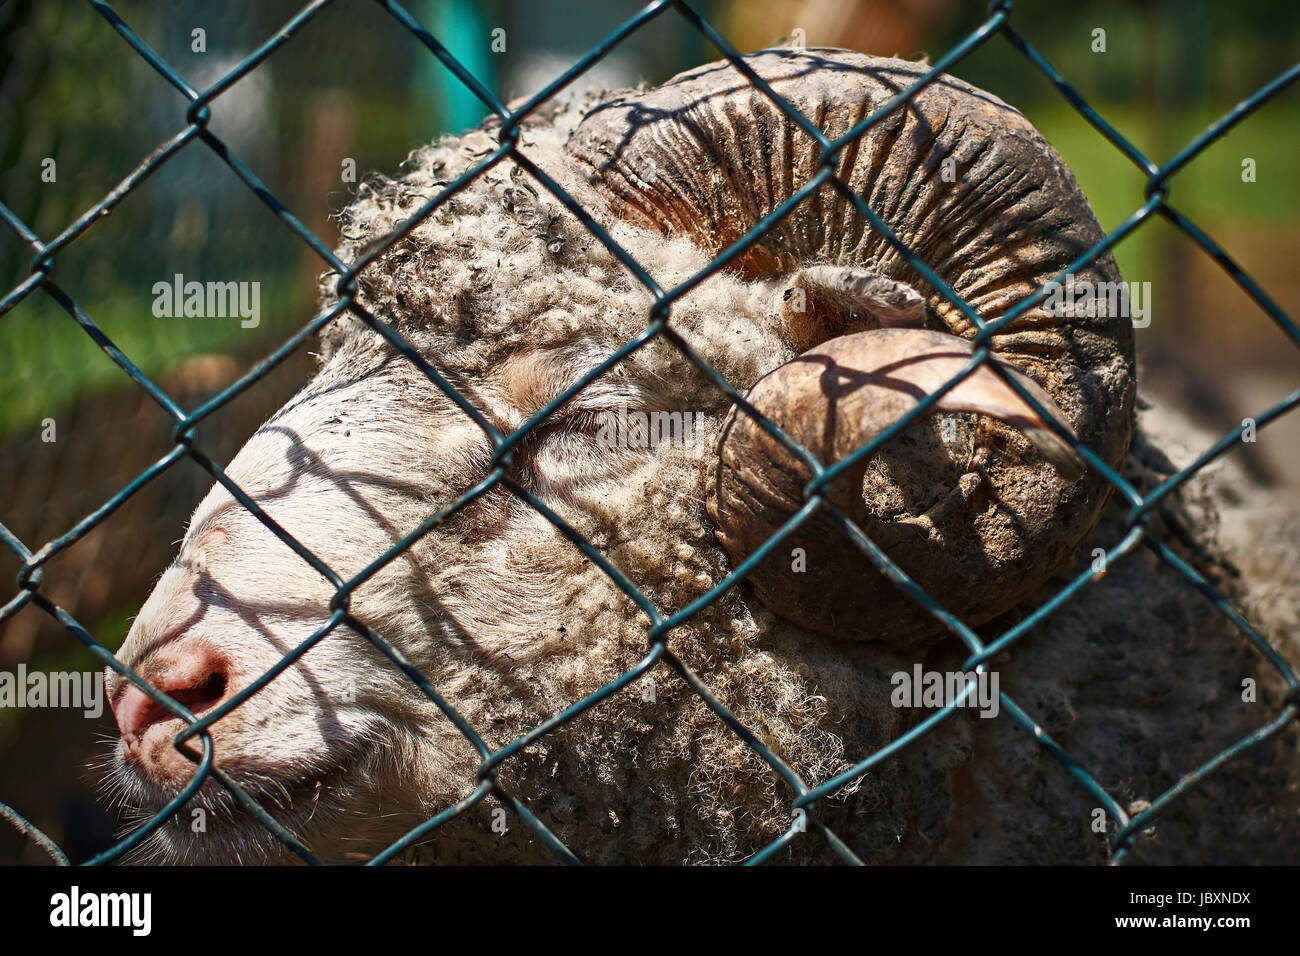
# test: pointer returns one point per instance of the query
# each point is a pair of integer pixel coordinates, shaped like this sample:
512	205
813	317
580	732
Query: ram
831	335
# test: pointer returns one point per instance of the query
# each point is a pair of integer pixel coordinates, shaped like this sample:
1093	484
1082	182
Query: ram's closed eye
587	422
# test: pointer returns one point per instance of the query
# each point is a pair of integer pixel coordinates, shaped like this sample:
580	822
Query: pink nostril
196	679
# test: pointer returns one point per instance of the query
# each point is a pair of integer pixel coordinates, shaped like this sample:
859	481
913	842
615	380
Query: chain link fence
195	134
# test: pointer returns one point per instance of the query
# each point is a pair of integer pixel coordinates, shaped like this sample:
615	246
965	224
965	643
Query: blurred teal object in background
462	28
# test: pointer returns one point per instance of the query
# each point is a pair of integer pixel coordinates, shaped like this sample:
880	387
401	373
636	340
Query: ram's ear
822	302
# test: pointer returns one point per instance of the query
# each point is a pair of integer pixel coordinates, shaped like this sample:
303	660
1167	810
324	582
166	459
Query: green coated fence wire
194	739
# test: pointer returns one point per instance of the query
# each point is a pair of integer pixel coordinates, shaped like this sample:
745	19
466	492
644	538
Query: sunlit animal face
365	453
513	300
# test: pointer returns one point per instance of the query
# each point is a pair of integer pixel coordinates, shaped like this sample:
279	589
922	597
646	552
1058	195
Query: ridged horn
968	185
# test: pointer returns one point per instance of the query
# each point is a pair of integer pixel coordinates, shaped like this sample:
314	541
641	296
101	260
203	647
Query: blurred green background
355	86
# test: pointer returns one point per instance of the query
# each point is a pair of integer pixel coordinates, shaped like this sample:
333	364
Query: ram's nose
196	677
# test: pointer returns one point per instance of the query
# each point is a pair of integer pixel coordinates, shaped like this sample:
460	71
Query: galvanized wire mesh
804	795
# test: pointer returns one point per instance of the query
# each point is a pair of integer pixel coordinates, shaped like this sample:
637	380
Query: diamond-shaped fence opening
195	134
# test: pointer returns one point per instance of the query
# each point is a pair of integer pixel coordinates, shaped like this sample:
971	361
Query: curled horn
979	516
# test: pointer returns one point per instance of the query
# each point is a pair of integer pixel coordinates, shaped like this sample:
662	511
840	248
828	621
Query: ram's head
512	300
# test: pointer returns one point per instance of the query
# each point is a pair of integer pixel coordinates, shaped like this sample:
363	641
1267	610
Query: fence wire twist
805	795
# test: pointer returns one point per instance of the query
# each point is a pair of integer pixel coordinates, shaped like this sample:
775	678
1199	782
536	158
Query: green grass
1208	191
48	362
